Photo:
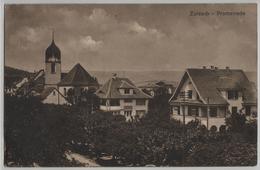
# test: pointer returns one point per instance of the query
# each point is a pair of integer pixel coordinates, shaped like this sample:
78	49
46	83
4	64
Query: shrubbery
39	133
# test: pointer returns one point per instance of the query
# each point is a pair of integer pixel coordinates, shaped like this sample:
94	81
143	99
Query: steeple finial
52	34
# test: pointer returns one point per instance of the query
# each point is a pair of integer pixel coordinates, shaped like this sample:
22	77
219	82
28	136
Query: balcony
110	108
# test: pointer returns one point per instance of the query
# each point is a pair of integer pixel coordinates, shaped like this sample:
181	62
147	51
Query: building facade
121	97
210	95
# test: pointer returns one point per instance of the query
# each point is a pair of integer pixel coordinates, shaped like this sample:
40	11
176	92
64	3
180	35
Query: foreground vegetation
37	133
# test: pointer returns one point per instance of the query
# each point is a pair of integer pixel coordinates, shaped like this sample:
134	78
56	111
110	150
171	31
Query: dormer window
232	94
127	91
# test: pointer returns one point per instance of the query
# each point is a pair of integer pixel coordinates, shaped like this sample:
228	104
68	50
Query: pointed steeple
52	51
52	35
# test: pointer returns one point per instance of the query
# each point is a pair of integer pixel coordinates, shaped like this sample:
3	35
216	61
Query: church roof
78	76
52	52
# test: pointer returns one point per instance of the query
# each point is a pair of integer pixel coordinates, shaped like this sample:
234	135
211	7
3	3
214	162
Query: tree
236	122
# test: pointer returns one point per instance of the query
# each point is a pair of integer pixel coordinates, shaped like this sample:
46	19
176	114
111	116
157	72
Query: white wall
123	104
188	86
52	98
55	99
233	103
61	89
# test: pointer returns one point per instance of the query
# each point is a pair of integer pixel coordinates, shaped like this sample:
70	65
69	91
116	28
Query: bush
38	133
222	129
250	131
236	122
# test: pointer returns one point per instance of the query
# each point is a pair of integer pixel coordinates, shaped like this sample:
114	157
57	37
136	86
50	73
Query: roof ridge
78	75
123	81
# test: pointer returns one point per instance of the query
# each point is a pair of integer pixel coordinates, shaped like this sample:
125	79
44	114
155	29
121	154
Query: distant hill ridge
138	77
10	71
12	75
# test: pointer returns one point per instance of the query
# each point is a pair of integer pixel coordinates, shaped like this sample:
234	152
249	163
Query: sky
131	37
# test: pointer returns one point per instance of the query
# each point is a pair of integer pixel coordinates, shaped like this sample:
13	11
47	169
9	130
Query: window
213	112
127	91
103	102
128	100
234	110
232	95
248	110
128	113
177	109
114	102
193	111
182	94
190	94
53	93
53	68
140	102
65	91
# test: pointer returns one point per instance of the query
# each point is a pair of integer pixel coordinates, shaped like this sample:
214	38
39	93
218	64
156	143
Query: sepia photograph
130	85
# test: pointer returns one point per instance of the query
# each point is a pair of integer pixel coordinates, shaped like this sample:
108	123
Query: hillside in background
138	77
13	75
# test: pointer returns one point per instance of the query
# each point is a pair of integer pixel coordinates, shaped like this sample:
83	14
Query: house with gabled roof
76	82
121	97
211	94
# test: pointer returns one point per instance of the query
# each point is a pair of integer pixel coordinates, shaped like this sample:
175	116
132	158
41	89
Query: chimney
114	76
204	67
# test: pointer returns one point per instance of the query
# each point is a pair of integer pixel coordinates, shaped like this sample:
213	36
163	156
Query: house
51	85
121	97
211	94
149	88
152	87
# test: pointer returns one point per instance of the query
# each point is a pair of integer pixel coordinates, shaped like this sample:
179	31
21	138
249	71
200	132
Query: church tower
52	64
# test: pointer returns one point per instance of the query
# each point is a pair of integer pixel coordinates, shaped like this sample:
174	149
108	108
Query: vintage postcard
130	85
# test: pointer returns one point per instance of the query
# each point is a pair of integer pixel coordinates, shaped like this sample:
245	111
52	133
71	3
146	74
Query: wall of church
52	78
53	98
